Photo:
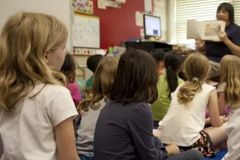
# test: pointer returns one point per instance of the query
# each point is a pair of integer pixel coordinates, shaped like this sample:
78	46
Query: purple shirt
216	50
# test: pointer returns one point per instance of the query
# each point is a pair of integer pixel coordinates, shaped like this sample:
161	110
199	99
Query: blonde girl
36	110
229	93
92	105
185	120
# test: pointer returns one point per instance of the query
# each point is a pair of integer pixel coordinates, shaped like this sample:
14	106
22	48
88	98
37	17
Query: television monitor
152	26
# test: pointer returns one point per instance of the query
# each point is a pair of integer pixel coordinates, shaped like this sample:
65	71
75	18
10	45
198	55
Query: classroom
119	79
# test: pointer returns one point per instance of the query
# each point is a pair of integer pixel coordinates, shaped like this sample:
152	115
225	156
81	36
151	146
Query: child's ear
46	57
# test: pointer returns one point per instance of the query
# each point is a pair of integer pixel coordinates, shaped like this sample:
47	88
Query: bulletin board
86	32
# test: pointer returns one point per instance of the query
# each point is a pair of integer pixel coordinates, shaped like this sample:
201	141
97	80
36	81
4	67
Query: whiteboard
86	31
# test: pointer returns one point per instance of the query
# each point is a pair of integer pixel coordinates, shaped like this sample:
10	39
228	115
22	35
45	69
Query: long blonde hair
195	68
103	82
230	65
24	42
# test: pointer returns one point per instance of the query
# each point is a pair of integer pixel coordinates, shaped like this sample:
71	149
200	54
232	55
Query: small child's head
29	44
69	67
230	74
104	76
229	68
195	68
172	63
158	55
136	78
93	61
103	82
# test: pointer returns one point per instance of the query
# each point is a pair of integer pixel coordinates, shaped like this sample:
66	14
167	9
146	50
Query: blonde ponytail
195	74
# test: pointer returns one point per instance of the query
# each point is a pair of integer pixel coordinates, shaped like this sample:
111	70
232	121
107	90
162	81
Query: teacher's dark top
216	50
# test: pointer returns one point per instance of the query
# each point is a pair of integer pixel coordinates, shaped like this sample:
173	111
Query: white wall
171	21
58	8
159	9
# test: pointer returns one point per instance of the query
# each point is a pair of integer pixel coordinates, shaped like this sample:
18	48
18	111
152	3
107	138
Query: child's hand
224	118
172	149
156	133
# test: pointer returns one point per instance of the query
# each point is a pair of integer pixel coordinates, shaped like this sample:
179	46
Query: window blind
194	9
236	4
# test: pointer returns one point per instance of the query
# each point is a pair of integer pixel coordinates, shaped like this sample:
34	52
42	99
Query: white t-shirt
233	141
85	133
182	123
28	131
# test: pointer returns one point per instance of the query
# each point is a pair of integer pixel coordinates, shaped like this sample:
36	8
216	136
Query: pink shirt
75	92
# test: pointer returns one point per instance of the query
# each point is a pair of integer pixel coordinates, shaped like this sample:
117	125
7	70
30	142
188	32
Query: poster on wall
103	4
83	6
86	31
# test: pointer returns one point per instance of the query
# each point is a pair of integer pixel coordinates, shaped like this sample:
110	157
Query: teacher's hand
222	35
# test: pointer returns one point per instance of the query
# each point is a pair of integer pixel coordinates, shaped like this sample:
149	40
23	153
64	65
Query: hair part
230	74
195	68
24	41
136	79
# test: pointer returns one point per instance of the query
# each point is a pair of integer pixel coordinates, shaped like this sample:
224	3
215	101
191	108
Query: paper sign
205	30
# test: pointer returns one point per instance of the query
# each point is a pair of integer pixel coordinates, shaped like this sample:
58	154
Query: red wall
118	24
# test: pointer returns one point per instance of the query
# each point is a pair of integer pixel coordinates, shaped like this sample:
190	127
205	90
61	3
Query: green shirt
161	105
89	83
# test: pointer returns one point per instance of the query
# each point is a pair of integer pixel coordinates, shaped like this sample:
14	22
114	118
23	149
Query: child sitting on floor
229	93
185	120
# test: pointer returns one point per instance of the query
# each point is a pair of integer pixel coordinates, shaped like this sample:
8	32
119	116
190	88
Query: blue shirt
216	50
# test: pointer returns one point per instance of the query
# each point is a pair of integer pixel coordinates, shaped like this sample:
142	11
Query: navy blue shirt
124	132
216	50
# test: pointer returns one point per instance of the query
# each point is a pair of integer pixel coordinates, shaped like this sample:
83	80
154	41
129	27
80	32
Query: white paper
121	1
113	4
148	6
205	30
139	18
101	4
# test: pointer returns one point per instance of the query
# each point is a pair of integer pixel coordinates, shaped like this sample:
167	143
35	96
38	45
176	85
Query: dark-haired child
69	70
92	63
124	127
167	83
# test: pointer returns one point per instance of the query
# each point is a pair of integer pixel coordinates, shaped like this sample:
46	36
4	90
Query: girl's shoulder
208	86
48	91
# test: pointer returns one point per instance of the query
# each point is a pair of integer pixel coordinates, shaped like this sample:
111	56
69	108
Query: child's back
30	126
188	107
187	119
167	83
